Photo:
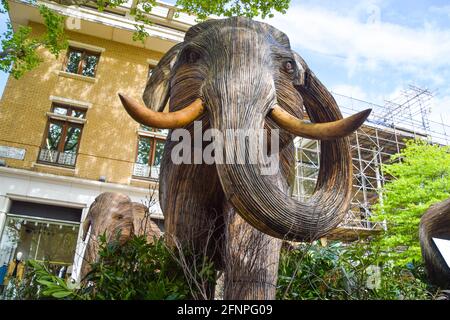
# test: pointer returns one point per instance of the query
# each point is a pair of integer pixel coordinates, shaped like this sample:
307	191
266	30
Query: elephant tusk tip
129	104
367	112
363	115
123	97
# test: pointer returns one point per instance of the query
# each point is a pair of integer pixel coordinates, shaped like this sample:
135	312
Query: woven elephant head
237	73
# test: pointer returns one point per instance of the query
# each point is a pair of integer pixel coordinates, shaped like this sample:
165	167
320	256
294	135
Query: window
150	71
149	153
81	61
164	132
39	239
62	135
66	110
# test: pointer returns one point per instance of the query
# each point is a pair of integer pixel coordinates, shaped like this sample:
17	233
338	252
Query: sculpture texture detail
113	214
235	74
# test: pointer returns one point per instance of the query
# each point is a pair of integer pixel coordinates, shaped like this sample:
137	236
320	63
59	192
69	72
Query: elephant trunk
262	200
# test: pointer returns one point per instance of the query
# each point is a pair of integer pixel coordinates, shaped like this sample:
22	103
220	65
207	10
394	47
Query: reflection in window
60	110
81	62
90	65
38	240
73	61
72	138
144	150
53	136
62	139
67	110
78	113
148	157
159	149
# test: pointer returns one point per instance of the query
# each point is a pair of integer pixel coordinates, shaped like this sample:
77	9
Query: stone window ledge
77	76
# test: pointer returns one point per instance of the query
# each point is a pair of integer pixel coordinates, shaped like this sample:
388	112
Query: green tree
420	179
19	47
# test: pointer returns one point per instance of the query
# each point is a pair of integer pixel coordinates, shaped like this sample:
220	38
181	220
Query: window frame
82	63
65	123
152	153
69	108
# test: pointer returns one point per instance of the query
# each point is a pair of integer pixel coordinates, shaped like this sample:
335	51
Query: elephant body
238	75
435	223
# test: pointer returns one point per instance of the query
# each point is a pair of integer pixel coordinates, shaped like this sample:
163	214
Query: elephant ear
335	171
157	90
86	224
319	103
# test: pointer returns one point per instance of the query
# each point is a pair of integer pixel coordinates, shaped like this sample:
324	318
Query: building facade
64	136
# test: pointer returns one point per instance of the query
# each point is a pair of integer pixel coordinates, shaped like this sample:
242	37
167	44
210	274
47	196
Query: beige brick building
64	136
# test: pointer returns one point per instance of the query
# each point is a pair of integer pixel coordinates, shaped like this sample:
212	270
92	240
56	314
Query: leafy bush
134	271
345	272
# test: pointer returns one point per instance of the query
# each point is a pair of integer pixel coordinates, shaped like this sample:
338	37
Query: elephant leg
250	258
191	199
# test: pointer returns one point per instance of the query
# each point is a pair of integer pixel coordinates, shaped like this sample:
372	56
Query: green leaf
61	294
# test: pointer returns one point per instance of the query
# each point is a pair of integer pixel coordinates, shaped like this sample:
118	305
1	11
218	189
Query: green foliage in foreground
135	271
345	272
140	270
421	179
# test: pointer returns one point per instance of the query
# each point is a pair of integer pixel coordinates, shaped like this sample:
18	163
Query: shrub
135	271
345	272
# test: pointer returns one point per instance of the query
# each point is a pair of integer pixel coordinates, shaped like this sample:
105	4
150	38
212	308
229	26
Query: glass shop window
81	61
38	239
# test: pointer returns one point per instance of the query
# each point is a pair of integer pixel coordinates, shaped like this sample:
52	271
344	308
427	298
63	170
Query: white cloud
350	91
364	44
444	10
440	106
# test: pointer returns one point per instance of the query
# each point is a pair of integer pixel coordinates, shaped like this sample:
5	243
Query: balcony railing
145	171
66	158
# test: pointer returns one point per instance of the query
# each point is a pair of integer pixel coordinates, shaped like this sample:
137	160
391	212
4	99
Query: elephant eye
192	56
289	66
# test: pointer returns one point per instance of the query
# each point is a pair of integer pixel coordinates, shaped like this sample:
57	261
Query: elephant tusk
162	120
319	131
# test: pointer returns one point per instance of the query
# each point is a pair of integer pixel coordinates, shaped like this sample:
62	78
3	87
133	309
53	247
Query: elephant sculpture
435	223
114	214
235	74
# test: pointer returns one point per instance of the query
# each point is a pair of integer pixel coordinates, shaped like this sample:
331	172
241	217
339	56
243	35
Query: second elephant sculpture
435	223
110	214
231	75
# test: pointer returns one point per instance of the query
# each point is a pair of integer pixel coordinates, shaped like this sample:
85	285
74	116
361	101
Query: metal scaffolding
383	135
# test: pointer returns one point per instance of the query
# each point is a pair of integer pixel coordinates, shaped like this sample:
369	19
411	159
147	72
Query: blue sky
3	76
370	49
